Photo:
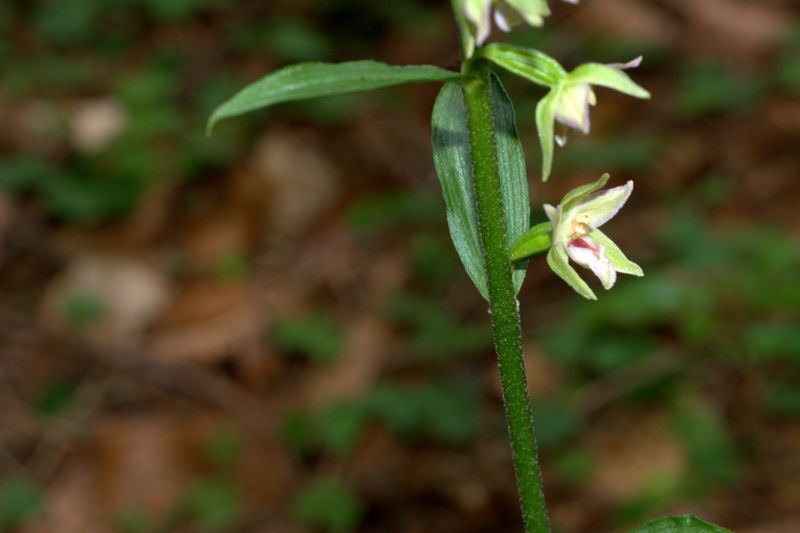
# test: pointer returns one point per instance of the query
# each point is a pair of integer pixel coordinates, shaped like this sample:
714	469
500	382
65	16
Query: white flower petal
588	253
633	63
501	21
553	214
572	108
479	13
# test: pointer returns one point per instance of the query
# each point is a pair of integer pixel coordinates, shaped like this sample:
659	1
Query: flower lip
580	242
591	255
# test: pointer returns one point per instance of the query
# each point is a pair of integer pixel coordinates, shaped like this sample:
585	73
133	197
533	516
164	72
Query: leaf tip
212	122
546	168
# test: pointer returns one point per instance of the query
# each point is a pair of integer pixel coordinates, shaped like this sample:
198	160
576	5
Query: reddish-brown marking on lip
582	243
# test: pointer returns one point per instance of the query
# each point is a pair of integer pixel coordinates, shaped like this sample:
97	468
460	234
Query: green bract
569	100
575	236
528	63
536	240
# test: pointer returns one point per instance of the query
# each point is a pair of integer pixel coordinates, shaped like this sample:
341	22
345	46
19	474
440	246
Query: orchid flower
506	14
568	102
576	236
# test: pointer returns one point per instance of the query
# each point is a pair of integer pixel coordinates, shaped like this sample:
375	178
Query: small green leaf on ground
680	524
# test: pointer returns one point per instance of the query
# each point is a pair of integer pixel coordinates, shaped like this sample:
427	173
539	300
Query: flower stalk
503	305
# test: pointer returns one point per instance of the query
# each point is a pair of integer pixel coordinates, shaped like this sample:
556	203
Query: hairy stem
502	297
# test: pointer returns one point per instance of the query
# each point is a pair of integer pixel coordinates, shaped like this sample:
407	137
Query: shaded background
269	330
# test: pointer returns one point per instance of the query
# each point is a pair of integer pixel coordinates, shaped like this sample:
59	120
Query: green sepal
527	63
545	125
680	524
536	240
312	80
579	193
558	261
618	259
607	76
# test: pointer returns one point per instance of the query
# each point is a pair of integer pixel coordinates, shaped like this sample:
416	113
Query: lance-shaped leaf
680	524
312	80
527	63
453	160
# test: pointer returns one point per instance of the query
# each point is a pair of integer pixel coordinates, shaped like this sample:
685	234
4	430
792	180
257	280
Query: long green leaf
680	524
311	80
453	160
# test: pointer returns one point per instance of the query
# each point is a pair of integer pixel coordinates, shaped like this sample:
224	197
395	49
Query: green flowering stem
502	297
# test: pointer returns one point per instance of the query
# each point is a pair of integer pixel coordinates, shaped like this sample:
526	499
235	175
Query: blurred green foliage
633	154
315	335
56	396
787	72
335	429
293	39
81	309
443	411
224	447
713	461
710	88
434	332
557	421
575	465
232	267
381	211
656	495
329	505
20	503
215	503
133	521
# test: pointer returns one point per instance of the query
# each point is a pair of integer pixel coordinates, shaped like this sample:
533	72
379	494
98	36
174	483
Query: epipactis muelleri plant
480	163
